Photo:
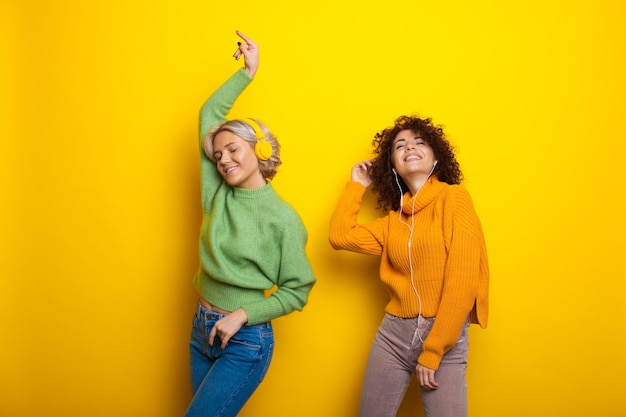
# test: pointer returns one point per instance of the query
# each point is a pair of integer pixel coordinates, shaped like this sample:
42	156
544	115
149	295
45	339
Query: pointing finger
245	38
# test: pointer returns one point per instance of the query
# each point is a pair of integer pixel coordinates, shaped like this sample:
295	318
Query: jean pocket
246	344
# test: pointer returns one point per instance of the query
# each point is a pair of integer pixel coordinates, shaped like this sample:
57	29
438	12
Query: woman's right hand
360	173
250	51
227	327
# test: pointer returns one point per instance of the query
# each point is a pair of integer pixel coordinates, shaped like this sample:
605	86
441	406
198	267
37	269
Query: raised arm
216	108
345	231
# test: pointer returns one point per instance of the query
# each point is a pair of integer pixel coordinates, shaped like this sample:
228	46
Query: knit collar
424	196
253	193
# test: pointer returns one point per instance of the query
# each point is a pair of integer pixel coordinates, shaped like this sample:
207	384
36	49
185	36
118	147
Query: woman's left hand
250	51
228	326
426	377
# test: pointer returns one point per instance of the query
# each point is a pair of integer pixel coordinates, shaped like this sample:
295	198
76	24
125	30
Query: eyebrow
404	139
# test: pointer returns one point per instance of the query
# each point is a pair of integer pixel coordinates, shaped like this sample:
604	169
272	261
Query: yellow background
100	192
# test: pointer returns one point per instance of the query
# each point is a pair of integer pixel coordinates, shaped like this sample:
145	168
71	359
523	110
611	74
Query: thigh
199	360
450	399
248	354
235	373
387	374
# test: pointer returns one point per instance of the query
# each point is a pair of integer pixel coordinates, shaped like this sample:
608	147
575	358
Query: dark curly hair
383	179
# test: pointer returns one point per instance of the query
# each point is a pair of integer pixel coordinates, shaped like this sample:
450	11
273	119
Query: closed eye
400	144
218	154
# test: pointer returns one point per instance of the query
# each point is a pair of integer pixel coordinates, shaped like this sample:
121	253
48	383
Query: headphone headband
258	132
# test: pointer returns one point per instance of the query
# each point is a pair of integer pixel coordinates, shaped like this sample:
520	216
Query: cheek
396	157
248	158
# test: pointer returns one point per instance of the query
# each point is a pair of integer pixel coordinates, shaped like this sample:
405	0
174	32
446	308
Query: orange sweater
448	254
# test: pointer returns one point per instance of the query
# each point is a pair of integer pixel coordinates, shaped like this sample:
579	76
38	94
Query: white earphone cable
411	228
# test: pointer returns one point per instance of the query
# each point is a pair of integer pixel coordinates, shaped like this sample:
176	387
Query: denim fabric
223	380
392	360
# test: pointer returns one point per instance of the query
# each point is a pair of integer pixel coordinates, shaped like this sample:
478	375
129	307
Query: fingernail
239	43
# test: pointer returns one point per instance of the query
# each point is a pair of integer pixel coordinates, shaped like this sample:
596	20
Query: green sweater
252	243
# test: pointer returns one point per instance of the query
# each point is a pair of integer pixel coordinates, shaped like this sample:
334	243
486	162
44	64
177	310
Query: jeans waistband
203	312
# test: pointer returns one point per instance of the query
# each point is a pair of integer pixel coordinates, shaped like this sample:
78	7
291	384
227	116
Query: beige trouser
392	360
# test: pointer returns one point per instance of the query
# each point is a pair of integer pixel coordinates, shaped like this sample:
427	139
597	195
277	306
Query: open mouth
412	157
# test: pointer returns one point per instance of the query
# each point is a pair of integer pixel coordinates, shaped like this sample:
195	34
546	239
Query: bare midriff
211	307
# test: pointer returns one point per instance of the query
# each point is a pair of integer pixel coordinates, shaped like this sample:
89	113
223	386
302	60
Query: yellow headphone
262	148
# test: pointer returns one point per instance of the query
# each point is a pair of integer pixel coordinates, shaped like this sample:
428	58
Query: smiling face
413	158
236	161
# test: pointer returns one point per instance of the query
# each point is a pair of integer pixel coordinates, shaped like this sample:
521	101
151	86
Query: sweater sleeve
345	233
295	278
465	244
214	111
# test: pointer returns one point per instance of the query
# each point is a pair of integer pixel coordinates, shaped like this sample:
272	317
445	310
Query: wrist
242	315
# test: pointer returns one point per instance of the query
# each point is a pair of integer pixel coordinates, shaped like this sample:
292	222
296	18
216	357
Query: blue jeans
223	380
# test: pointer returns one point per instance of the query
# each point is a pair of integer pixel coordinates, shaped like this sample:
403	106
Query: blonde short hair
245	131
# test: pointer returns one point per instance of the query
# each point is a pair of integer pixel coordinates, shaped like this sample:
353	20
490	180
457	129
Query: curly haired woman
433	262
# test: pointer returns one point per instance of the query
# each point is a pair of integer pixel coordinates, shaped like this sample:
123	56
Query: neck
415	184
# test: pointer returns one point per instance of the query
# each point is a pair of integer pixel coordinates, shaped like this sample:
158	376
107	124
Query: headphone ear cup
263	150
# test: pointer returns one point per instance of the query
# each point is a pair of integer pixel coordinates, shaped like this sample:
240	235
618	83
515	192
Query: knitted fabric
448	258
252	242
